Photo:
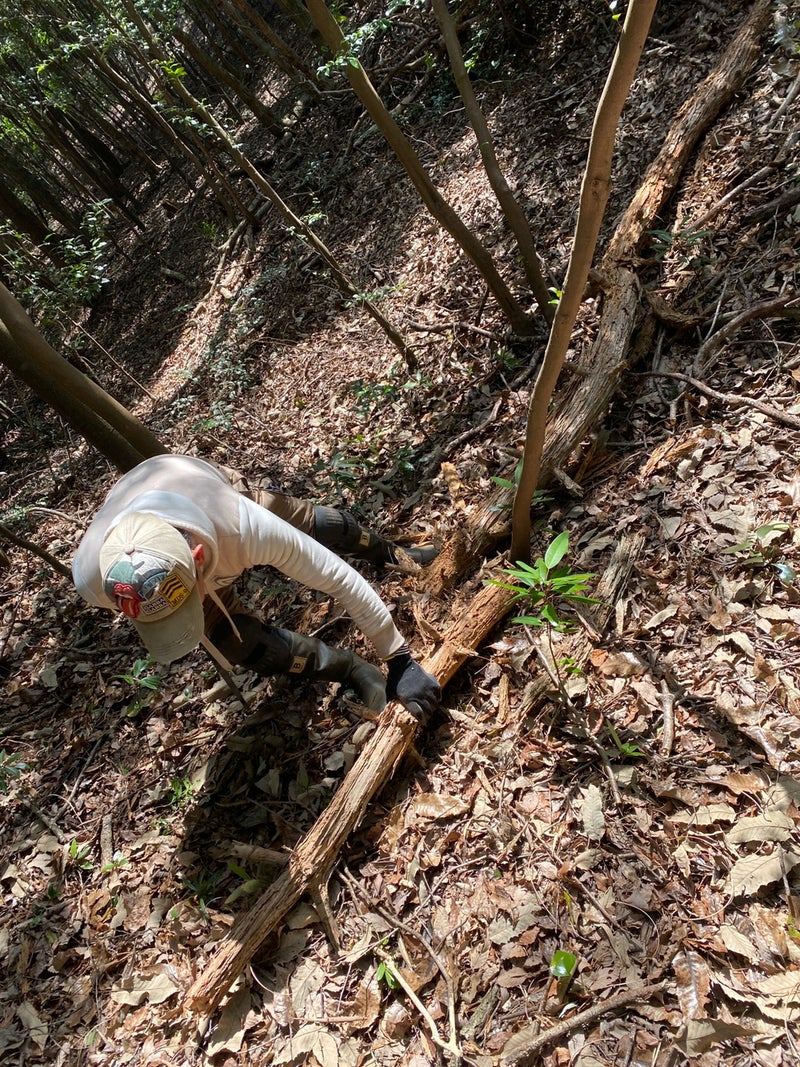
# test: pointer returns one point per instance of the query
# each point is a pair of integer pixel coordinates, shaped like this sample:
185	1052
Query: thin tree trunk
514	215
345	284
29	356
444	214
594	196
585	397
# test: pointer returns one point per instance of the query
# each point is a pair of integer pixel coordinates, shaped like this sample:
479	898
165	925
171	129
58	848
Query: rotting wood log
312	860
583	400
578	408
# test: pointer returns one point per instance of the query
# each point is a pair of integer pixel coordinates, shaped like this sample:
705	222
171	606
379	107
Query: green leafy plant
78	855
563	967
249	885
202	887
683	245
629	749
116	863
762	550
545	585
385	974
181	793
540	496
12	766
142	677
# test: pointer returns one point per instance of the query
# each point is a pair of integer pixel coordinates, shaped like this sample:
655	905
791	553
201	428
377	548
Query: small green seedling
385	974
249	885
545	585
79	855
683	245
629	749
116	863
141	676
12	766
762	549
563	967
540	496
181	793
202	887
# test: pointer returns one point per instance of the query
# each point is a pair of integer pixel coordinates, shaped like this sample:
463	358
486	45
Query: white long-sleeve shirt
237	533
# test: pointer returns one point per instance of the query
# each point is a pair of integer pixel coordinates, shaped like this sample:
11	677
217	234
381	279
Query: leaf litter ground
643	818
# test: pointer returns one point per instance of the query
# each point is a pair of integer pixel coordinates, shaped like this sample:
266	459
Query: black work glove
417	691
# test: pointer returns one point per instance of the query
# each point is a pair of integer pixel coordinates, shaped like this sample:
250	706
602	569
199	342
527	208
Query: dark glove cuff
397	664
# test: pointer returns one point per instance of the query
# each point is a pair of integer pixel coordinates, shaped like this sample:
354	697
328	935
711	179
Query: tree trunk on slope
445	215
105	423
514	215
594	197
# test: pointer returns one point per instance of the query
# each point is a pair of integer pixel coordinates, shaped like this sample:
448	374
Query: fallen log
312	860
579	407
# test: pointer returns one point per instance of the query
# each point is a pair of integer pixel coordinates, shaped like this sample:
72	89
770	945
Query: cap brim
179	633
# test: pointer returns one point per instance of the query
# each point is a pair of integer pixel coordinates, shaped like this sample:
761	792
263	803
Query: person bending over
174	534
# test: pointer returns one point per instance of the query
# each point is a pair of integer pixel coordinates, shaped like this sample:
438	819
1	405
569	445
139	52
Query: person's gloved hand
417	691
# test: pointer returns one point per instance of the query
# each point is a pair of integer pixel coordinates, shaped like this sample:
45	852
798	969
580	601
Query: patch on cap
145	585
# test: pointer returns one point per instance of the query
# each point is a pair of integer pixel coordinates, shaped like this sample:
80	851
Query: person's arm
268	540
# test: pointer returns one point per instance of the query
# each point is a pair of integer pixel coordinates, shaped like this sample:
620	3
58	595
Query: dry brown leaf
751	873
617	664
735	941
594	822
694	983
434	806
769	826
364	1008
702	1034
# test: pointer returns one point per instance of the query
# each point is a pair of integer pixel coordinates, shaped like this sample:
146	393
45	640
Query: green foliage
563	967
683	245
202	887
181	794
613	9
540	496
385	974
762	550
545	584
140	676
208	229
628	749
354	41
116	863
249	885
374	296
172	69
12	766
53	293
78	856
563	964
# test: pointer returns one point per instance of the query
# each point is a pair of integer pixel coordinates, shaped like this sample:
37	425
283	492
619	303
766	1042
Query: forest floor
643	816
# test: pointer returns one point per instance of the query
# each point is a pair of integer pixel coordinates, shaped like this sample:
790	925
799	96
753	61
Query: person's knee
238	649
338	529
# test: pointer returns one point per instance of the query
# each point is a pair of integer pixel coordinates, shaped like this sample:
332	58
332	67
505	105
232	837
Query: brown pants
296	511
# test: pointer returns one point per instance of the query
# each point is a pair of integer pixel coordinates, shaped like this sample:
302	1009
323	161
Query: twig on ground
402	927
29	546
762	310
446	1046
45	820
524	1049
723	202
793	421
668	708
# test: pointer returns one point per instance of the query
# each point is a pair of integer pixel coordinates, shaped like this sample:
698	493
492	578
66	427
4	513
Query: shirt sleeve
268	540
